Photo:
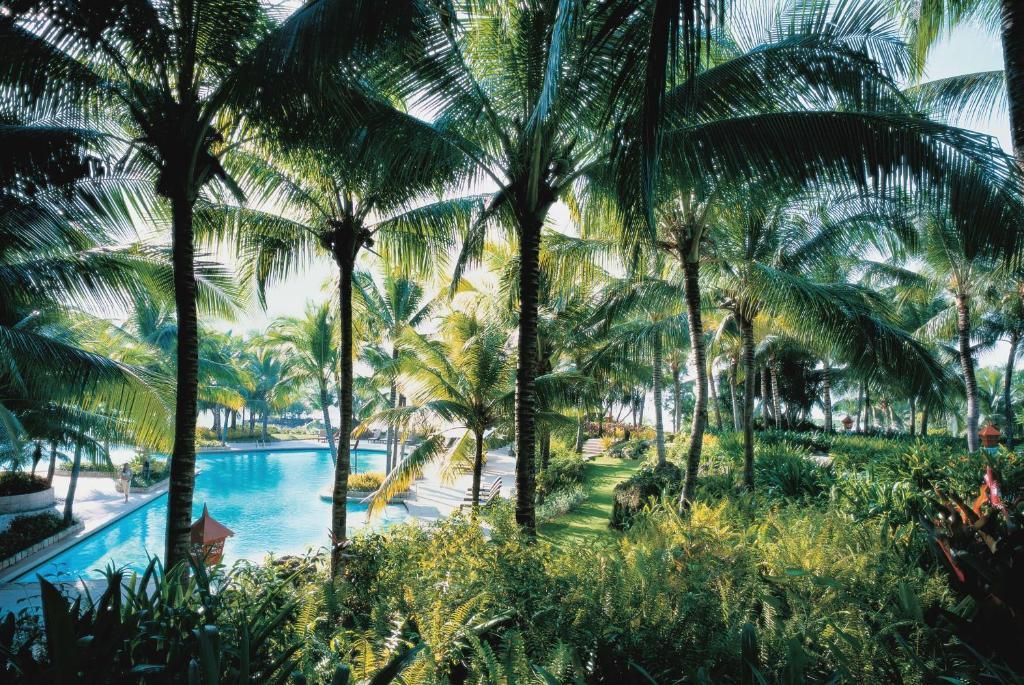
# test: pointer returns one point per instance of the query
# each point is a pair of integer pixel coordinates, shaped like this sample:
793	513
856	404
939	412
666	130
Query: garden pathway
589	523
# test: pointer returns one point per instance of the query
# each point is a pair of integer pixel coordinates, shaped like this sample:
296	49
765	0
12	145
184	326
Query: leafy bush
647	484
25	531
983	546
634	448
565	469
20	483
561	502
370	480
786	471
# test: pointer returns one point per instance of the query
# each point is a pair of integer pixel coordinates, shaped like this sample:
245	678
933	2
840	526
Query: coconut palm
395	306
309	344
769	250
748	112
349	190
464	379
178	80
975	93
646	317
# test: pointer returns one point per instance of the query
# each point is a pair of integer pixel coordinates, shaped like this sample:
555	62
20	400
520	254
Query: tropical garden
746	248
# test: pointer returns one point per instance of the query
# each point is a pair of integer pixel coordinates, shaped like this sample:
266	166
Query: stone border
73	529
25	502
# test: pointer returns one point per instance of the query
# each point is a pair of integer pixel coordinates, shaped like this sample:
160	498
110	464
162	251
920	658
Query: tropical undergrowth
824	574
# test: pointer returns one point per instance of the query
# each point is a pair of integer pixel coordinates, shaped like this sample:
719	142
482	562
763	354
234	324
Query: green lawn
589	523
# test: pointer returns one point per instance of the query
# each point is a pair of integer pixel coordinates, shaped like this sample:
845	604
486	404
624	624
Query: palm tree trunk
747	332
826	382
913	416
183	455
659	426
345	250
389	441
924	422
526	394
737	420
867	408
713	386
478	467
963	332
766	403
776	394
331	444
1008	416
580	432
234	419
860	407
53	463
76	467
1013	66
545	448
266	419
691	275
676	396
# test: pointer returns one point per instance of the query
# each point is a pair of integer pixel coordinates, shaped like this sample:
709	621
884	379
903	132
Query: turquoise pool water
270	499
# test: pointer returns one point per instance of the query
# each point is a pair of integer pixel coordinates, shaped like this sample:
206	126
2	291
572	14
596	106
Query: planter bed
359	495
31	501
73	529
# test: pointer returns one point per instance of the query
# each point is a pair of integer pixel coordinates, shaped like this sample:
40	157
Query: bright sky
967	50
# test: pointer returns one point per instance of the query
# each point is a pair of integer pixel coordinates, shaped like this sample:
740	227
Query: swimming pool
270	499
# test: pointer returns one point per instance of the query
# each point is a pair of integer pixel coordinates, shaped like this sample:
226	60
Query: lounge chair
487	494
321	436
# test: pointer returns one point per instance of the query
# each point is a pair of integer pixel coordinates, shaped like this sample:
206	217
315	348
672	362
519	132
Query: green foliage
561	502
25	531
648	485
366	482
217	627
788	472
20	483
634	448
565	469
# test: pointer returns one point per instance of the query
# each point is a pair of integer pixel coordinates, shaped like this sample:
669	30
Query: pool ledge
91	526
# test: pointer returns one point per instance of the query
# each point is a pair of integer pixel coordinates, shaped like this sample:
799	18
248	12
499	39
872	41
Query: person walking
126	480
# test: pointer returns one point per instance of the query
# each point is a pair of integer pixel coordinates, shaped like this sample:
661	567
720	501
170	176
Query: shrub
630	449
562	502
26	531
633	494
19	483
786	471
370	480
565	469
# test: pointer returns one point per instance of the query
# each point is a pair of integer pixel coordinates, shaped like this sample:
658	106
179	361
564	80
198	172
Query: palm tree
309	343
927	22
951	262
1004	320
346	192
748	112
177	78
646	317
769	252
463	379
397	305
58	217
